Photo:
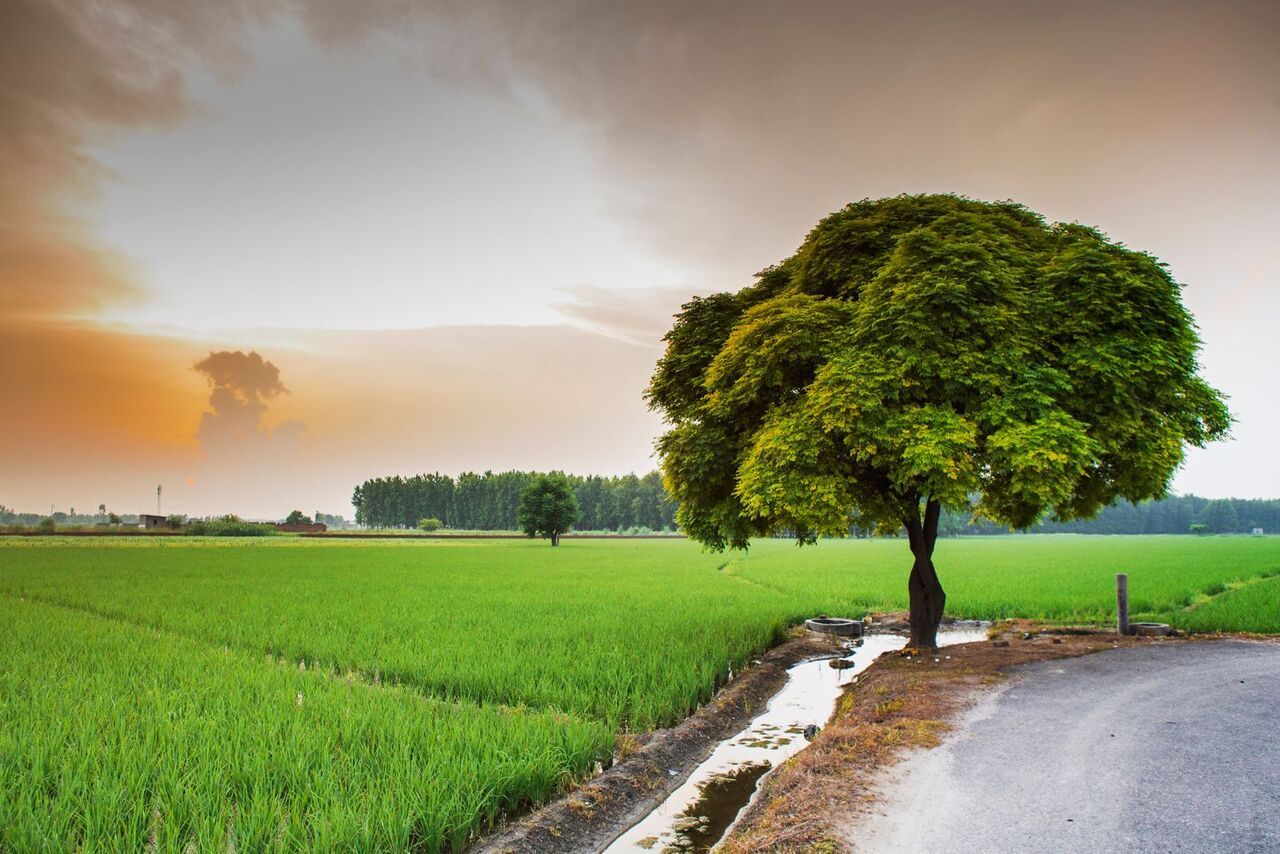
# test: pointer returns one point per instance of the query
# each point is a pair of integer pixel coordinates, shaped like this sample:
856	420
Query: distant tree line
1174	515
489	501
9	516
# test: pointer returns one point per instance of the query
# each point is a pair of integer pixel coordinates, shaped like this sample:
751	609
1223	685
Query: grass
1253	606
149	687
113	737
1049	577
634	633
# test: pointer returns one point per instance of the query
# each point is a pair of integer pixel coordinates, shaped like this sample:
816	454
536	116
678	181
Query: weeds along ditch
429	687
1251	607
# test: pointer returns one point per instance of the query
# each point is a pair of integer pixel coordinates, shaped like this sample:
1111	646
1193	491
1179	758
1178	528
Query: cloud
241	385
72	73
738	124
248	378
638	315
721	130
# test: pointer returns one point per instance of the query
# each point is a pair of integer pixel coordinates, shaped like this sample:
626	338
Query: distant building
148	521
315	528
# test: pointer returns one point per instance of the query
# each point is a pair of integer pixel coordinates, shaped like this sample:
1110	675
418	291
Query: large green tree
923	352
548	507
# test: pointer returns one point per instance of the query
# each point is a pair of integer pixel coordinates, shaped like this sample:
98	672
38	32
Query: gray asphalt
1167	747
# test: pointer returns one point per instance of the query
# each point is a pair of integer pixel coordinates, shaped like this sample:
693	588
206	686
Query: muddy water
698	814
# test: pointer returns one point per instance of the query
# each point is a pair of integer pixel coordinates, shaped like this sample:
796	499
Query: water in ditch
701	811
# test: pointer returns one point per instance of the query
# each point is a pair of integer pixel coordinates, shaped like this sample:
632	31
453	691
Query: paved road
1168	747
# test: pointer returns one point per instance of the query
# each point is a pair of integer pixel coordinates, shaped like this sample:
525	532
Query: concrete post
1122	603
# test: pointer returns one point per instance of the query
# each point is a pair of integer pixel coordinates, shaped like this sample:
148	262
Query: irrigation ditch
683	788
702	784
655	764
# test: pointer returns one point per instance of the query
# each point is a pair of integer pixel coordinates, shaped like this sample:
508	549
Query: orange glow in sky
457	233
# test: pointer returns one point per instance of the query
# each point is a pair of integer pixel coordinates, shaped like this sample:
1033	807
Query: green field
300	694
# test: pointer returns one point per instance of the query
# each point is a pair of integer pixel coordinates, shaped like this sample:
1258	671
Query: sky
260	251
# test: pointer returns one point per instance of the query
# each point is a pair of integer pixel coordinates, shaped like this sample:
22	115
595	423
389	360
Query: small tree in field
297	517
548	507
429	525
924	352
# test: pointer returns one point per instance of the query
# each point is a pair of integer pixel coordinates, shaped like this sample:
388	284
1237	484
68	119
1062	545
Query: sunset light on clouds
259	252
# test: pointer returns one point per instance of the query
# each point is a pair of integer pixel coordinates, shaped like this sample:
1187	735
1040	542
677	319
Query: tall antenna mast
158	513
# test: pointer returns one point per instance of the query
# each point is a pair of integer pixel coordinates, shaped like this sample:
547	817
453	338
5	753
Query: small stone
1000	643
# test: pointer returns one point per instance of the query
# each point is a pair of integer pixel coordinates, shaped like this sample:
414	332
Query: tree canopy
922	352
548	507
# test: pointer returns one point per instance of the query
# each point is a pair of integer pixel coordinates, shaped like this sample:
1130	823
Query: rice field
288	694
116	737
1253	606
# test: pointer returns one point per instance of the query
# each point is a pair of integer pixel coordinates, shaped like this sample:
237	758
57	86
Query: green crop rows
296	694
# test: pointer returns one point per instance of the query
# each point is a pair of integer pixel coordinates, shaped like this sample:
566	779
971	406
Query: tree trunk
555	539
925	590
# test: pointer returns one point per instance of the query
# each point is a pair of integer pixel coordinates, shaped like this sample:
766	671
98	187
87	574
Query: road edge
904	701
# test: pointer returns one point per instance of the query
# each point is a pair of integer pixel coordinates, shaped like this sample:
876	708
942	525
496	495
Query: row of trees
620	503
297	517
1175	515
490	501
9	516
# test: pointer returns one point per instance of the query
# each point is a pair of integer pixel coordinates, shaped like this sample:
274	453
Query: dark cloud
72	73
241	386
738	124
722	129
248	376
